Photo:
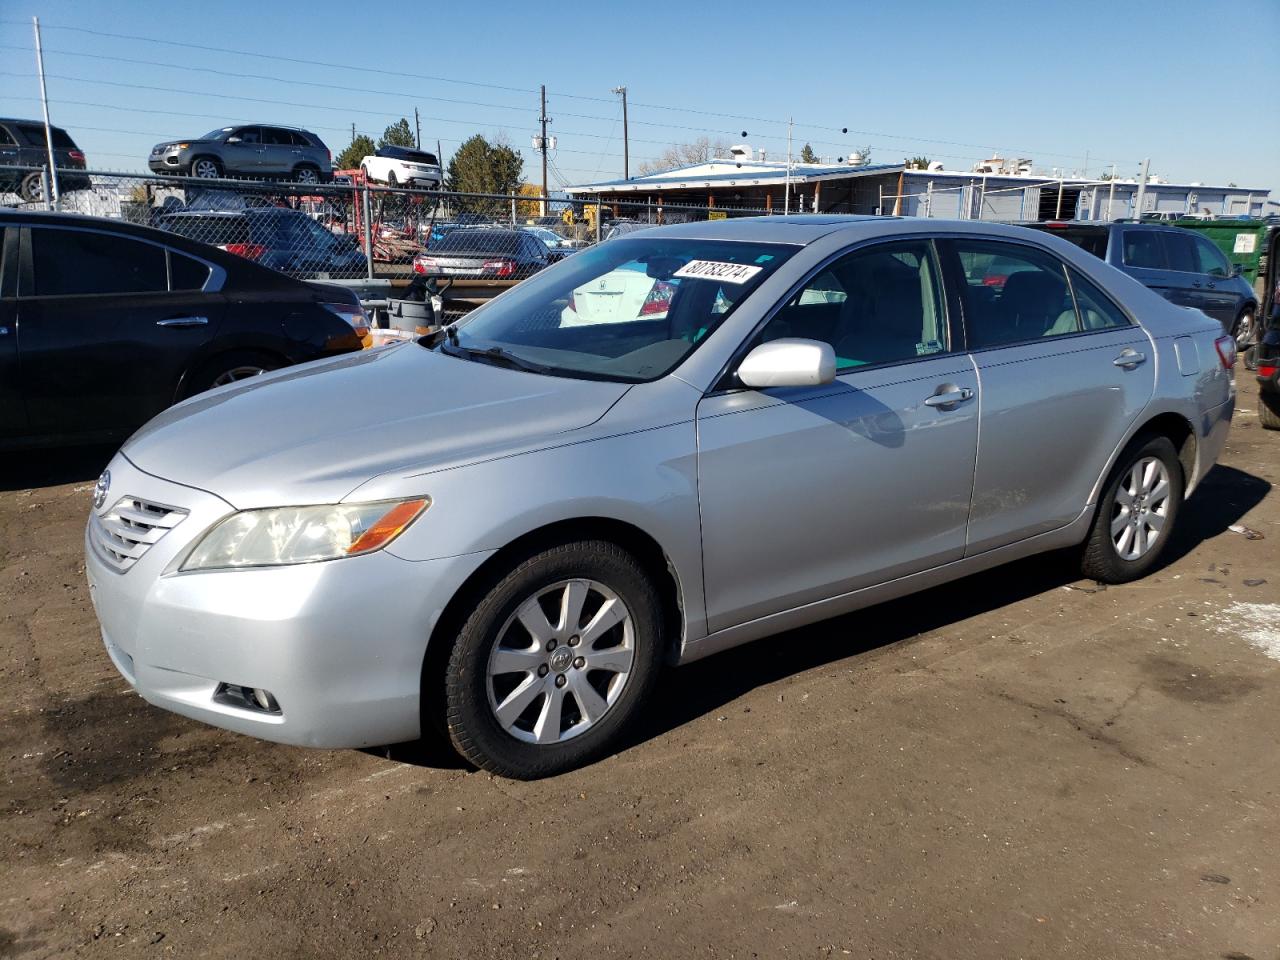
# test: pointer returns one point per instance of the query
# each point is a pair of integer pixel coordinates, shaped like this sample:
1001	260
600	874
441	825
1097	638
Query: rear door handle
183	322
1129	359
949	397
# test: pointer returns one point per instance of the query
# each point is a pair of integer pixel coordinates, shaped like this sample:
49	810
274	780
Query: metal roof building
725	185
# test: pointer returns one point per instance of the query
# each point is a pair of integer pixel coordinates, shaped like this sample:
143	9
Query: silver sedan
667	445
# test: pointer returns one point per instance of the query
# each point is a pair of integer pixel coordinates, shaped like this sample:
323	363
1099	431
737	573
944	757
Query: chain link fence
351	230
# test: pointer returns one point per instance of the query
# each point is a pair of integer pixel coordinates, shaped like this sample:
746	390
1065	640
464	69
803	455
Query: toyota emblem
100	489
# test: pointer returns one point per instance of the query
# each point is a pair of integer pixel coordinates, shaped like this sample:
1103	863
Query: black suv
23	146
251	150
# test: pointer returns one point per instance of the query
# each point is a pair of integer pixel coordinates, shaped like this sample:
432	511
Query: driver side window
881	304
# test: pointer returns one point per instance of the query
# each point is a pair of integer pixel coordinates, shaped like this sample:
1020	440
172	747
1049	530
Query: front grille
123	535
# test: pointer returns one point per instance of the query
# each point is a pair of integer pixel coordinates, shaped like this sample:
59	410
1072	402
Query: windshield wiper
495	355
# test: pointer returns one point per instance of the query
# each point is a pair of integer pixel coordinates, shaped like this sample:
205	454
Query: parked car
23	144
553	240
507	529
103	324
1183	267
276	237
402	165
252	150
487	253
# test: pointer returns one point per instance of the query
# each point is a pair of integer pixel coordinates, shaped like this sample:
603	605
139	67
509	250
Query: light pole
626	147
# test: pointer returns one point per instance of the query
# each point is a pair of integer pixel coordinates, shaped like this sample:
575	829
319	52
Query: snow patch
1256	623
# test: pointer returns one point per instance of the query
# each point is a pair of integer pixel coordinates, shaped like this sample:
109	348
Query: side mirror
789	363
1236	270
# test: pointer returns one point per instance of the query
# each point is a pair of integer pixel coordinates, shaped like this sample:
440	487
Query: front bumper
171	162
338	644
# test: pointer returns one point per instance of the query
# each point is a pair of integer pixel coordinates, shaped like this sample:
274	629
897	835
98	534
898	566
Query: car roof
801	229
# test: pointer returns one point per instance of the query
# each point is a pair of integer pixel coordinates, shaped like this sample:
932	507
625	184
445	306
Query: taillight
250	251
1226	347
995	280
658	300
76	156
1267	369
500	268
423	264
352	313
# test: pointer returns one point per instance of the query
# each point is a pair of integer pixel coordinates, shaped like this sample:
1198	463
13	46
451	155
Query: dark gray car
253	150
1183	267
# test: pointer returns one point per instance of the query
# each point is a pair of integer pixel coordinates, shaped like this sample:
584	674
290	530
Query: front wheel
555	662
206	168
1136	516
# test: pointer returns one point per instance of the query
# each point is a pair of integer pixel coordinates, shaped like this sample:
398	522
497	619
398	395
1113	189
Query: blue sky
1117	81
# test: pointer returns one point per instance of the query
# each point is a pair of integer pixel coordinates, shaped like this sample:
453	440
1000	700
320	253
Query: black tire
32	188
391	178
206	168
1269	410
229	367
306	173
1101	560
1242	328
471	721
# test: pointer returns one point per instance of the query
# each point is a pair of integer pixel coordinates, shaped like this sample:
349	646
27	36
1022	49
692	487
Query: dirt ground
1016	765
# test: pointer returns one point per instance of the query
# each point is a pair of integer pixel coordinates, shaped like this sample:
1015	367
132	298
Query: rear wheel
1139	508
306	174
1269	410
206	168
32	188
555	662
1242	329
391	178
230	368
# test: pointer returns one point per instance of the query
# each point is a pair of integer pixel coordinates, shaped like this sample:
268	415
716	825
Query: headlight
285	535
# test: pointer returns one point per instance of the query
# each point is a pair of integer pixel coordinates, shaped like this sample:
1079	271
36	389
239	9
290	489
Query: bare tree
685	154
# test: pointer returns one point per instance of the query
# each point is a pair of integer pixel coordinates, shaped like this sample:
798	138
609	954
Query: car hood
312	434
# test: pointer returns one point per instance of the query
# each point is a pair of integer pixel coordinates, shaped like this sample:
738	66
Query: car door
1063	371
1143	258
279	153
1214	275
242	152
13	415
103	341
1184	270
808	493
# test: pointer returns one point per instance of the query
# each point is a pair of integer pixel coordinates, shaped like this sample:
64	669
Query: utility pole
417	126
48	131
542	142
626	148
786	195
1111	194
1142	187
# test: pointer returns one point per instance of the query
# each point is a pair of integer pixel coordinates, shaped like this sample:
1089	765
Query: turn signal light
389	526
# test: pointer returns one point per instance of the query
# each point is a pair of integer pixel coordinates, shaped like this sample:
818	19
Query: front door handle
1129	359
949	397
183	322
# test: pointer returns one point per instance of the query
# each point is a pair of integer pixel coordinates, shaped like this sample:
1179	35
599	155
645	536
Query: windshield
630	310
217	134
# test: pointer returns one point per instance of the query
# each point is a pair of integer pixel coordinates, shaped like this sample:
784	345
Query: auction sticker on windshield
717	270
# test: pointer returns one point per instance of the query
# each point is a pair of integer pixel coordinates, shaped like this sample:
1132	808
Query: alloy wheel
307	175
560	662
205	169
1141	508
237	373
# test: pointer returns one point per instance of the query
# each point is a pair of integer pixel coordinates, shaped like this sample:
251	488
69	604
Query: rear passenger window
186	273
1180	249
1142	249
1013	294
69	262
1096	310
877	305
6	139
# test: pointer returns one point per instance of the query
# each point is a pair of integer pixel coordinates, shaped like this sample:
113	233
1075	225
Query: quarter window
1013	294
6	138
1142	249
877	305
186	273
1096	310
69	262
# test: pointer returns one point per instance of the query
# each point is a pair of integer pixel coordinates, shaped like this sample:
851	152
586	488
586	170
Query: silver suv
247	151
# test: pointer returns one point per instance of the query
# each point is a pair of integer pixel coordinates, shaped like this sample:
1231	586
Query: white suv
402	165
